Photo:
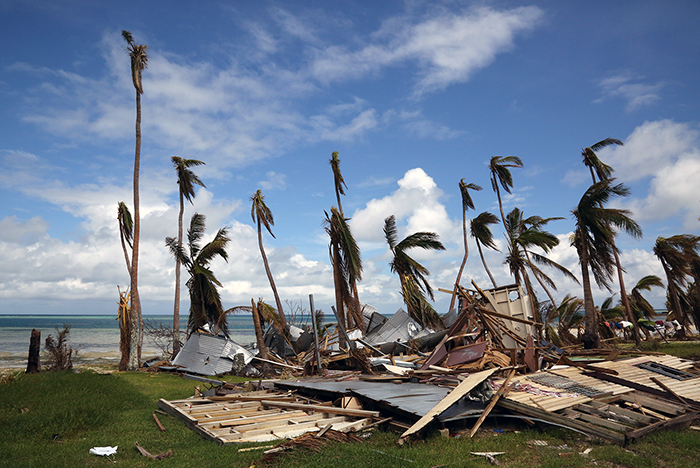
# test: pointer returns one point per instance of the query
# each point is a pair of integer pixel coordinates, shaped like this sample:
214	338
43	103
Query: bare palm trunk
590	336
262	350
464	260
483	260
340	310
280	311
176	308
135	315
500	207
625	302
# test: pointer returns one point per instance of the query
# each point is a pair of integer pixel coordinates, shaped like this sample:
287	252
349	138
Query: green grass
52	420
684	349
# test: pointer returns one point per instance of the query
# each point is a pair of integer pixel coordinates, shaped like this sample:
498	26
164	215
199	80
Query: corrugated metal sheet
209	355
400	327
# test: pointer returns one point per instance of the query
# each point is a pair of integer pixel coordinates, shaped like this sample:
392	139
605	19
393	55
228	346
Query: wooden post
351	344
34	361
317	352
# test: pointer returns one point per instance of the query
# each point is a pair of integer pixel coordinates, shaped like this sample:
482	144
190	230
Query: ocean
95	337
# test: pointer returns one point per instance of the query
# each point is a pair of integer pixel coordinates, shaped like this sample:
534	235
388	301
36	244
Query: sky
414	96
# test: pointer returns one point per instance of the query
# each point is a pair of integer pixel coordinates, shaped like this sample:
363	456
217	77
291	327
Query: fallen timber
489	353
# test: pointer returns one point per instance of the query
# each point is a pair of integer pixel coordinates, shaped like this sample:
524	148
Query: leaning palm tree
139	61
412	275
500	175
467	203
524	234
338	180
481	233
603	171
262	216
205	300
186	180
340	186
640	306
677	255
593	240
347	267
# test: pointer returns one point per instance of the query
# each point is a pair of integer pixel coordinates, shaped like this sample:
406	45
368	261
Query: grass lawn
53	419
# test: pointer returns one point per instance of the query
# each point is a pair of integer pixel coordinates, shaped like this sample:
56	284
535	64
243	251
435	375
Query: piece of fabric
103	451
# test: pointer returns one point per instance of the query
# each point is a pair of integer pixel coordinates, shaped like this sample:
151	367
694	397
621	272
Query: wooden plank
684	420
562	420
242	421
322	409
501	392
281	431
462	389
654	404
600	421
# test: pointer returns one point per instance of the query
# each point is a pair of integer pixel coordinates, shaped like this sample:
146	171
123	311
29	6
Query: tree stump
34	362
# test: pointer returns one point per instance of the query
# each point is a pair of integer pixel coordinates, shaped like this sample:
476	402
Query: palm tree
568	312
523	234
481	233
340	186
677	255
412	274
500	175
338	180
638	303
262	216
205	301
467	203
139	61
593	239
347	267
594	164
186	180
603	171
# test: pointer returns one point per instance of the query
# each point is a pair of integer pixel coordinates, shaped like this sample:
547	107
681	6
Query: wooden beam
322	409
462	389
501	392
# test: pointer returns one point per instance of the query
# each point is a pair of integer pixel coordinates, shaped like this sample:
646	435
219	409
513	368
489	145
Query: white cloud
275	181
636	94
668	153
448	47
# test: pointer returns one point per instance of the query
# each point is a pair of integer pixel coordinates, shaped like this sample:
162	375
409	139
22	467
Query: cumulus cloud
668	154
416	205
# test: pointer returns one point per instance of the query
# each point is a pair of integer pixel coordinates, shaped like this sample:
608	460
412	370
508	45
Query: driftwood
146	454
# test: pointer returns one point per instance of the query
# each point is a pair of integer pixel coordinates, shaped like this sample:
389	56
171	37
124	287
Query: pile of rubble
488	363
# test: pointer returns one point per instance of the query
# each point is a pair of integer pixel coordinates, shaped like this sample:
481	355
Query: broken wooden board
261	421
462	389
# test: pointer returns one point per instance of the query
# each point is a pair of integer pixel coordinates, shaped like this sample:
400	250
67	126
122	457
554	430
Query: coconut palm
593	239
338	180
186	180
412	275
467	203
638	303
594	164
340	186
262	216
603	171
500	175
524	234
205	301
481	233
261	312
139	61
569	314
677	255
347	267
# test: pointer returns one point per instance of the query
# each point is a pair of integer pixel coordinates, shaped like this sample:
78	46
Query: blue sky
413	95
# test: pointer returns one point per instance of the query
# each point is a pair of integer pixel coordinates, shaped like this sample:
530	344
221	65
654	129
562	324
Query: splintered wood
238	421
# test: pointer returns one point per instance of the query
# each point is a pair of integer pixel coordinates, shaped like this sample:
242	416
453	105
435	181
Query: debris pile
490	361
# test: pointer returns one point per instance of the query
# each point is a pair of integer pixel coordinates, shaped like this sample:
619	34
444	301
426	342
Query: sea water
95	337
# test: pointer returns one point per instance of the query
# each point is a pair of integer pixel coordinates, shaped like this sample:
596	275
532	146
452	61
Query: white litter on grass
103	451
